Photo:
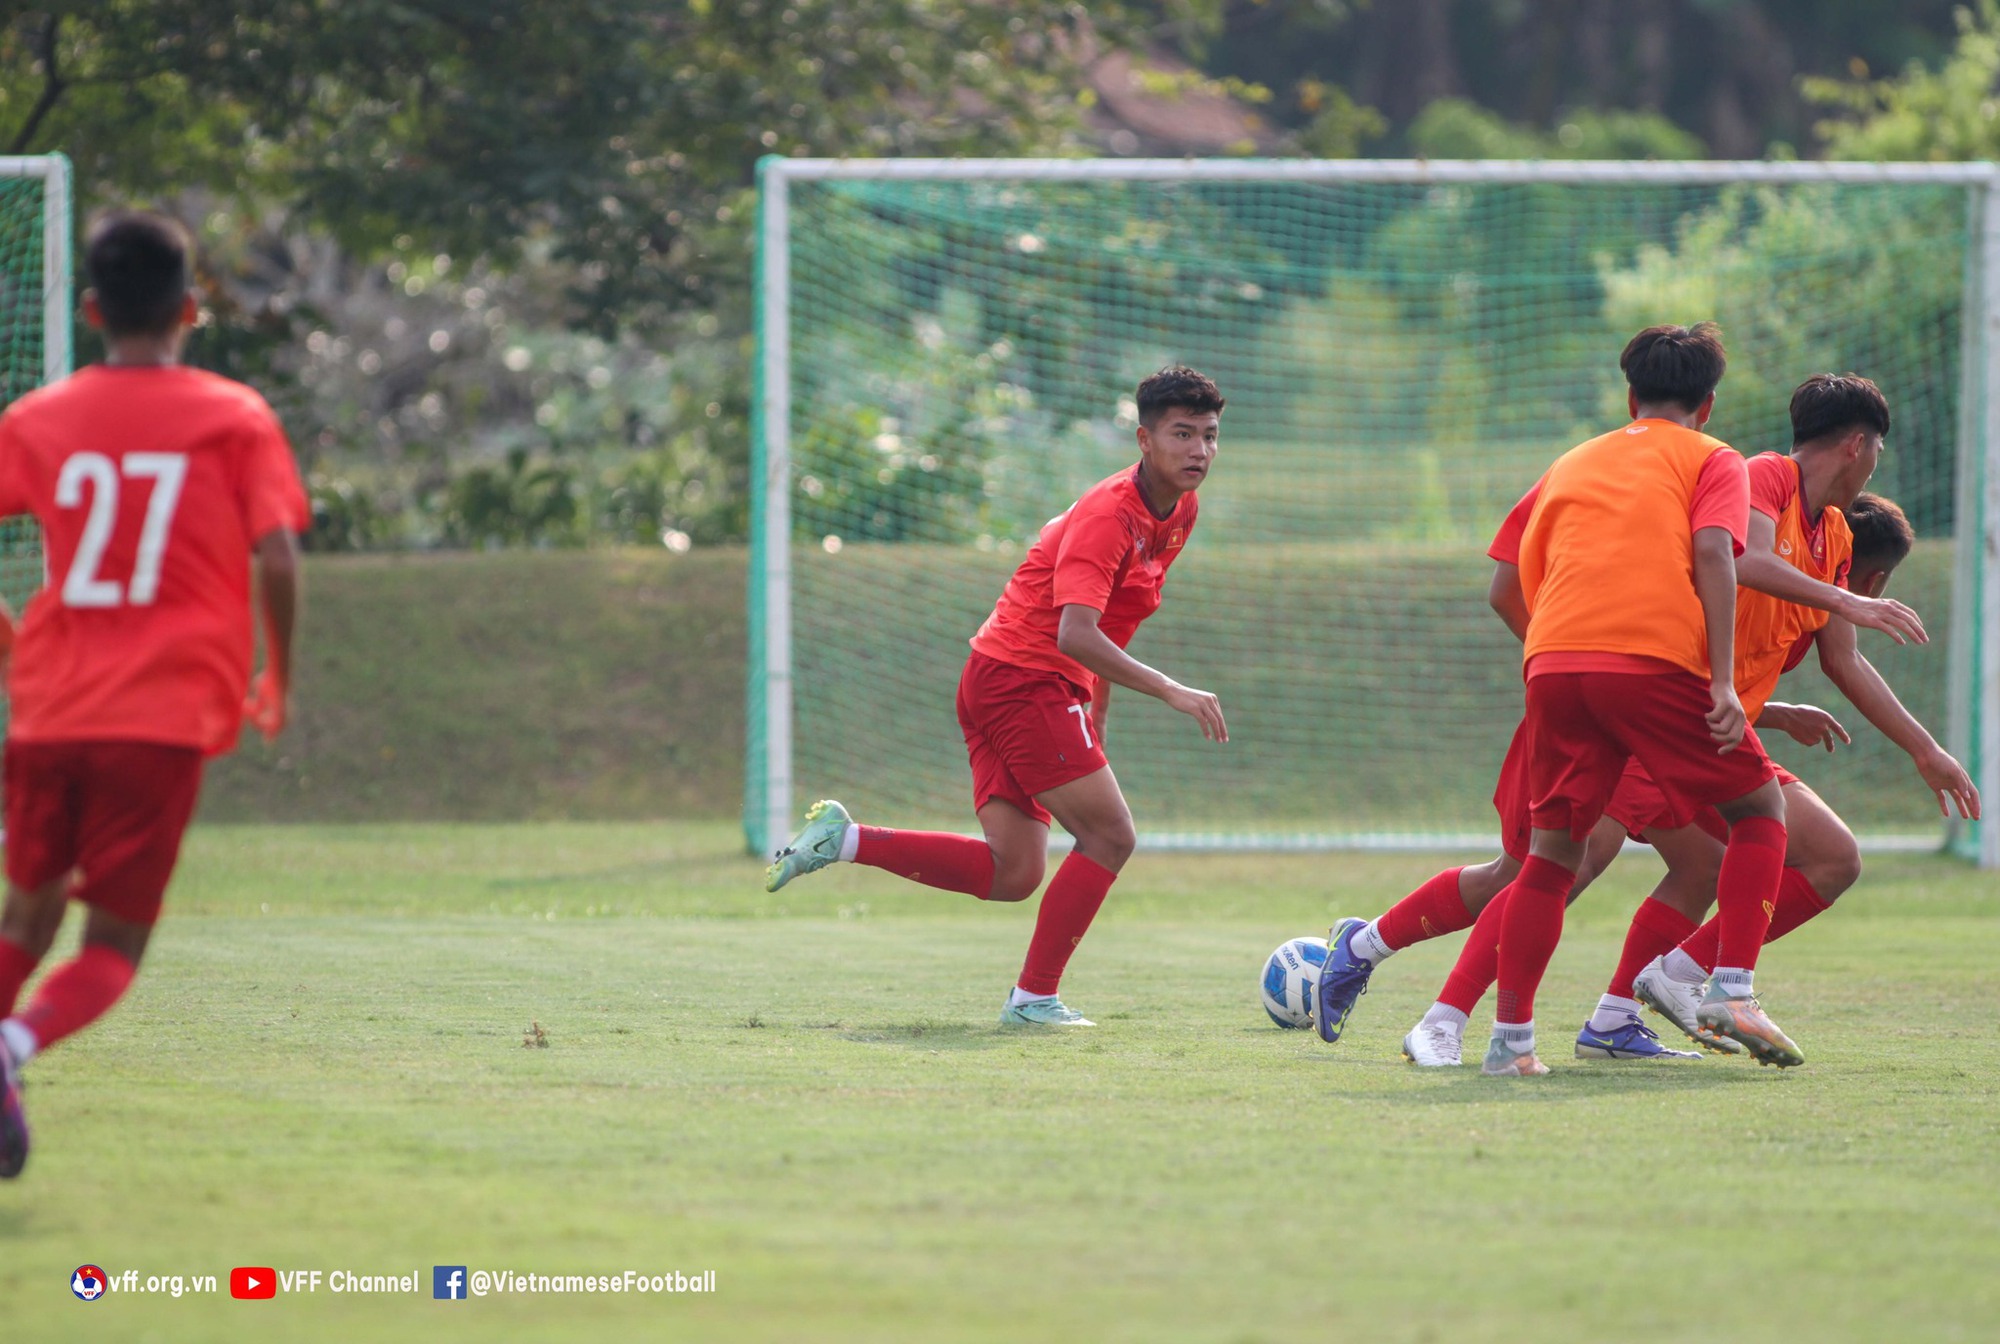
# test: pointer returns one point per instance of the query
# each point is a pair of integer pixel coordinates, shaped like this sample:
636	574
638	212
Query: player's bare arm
1761	568
1808	725
1715	585
277	568
1100	707
1078	637
1840	657
1509	603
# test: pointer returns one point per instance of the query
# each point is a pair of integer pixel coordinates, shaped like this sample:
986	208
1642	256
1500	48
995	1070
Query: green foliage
1452	128
1808	280
1947	114
1339	126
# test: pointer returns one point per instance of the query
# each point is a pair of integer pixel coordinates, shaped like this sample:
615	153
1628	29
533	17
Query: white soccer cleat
1678	1001
1434	1045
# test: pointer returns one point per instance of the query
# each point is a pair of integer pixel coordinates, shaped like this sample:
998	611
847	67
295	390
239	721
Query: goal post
35	316
946	351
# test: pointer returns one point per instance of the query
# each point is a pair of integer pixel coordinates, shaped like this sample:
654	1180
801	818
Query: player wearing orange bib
1641	667
156	487
1033	697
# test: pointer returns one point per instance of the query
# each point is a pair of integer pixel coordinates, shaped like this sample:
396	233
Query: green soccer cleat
1742	1019
814	847
1502	1062
1042	1013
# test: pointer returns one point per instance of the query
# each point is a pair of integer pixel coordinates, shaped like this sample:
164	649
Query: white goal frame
1973	678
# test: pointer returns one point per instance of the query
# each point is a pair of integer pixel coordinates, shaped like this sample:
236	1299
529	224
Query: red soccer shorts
1510	797
1638	805
1584	726
1026	731
114	810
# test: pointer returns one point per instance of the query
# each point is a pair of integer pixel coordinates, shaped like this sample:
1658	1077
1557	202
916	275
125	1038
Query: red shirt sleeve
13	491
1093	546
272	497
1722	497
1774	482
1506	547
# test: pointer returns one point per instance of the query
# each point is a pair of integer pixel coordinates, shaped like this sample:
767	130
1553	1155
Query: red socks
1068	906
15	968
76	994
1746	893
1478	961
1529	932
1797	903
934	858
1431	911
1657	929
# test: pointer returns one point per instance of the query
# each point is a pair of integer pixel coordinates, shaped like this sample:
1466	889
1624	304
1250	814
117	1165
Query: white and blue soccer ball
1291	981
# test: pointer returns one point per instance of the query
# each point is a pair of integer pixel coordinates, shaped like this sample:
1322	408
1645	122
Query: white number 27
82	587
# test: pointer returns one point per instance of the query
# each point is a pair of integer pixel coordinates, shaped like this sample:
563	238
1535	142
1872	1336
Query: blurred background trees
491	260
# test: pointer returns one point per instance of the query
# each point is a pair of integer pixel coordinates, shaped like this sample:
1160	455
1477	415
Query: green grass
322	1067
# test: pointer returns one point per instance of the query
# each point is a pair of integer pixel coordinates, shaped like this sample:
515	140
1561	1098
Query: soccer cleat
1632	1039
1342	981
814	847
1042	1013
1742	1019
13	1118
1504	1063
1677	1001
1434	1045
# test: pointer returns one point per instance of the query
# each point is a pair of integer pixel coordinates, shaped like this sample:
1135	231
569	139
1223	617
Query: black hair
137	264
1681	365
1831	404
1882	535
1178	386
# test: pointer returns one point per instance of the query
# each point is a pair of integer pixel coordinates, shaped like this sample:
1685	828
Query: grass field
322	1067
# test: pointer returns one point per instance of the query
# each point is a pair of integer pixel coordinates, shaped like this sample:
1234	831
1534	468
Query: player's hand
1726	723
1205	709
1948	780
1809	725
268	705
1892	618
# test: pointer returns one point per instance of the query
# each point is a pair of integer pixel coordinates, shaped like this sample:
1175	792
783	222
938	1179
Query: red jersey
1109	552
151	484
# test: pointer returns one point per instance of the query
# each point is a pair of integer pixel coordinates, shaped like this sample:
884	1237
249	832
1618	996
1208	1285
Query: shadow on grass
1561	1083
932	1034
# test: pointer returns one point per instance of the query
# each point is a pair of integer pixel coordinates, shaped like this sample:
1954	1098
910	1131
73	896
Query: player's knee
1479	884
1836	871
1016	880
1109	844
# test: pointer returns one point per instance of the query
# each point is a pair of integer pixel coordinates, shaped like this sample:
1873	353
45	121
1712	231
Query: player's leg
29	922
1574	766
1822	860
1093	810
1006	865
1693	855
1745	895
1446	903
131	805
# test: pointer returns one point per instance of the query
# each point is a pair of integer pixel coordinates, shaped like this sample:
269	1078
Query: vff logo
448	1282
87	1282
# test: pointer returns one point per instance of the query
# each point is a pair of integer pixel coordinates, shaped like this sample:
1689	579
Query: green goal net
948	355
34	324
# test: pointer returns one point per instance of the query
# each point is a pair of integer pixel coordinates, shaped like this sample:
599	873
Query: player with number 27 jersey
158	488
151	484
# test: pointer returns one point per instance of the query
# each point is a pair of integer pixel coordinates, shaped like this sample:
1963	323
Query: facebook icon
448	1282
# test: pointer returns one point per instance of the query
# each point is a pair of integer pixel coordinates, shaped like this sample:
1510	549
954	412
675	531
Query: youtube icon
253	1282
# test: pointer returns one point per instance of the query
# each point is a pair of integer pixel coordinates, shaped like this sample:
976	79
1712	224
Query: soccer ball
1291	981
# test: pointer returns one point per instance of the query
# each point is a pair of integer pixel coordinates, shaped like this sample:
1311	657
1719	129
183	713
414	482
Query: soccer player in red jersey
1450	900
159	489
1033	697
